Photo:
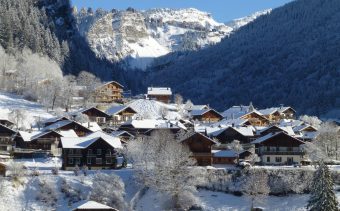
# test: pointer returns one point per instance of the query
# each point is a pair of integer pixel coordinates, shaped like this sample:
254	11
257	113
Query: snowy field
33	111
23	197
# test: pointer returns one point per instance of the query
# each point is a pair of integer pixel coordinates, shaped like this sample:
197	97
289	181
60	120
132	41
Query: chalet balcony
203	154
74	155
281	153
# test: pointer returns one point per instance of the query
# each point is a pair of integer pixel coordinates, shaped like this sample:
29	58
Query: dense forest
290	56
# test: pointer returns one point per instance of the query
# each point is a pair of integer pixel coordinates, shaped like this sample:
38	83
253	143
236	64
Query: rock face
135	38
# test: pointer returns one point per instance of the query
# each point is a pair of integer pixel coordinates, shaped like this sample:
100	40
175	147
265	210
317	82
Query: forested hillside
289	56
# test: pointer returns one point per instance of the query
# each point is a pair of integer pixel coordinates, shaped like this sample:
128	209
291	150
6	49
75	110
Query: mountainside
137	37
289	56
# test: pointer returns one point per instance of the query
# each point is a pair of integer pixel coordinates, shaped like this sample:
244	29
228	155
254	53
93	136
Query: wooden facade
209	115
200	145
98	155
256	119
109	93
95	115
6	140
287	113
231	133
279	149
162	94
121	115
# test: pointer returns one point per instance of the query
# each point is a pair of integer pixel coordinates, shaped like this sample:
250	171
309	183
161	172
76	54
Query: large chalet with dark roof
120	114
94	114
206	115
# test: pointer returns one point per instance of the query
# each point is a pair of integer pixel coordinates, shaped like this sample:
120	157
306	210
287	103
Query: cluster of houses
273	134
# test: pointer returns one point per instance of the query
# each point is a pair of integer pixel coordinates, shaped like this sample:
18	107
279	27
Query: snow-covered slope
237	23
137	37
33	111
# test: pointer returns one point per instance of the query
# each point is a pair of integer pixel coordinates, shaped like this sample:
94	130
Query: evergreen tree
322	194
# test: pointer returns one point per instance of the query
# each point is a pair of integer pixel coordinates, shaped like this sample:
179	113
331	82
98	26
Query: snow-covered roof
120	132
201	112
291	122
287	129
84	142
57	125
68	133
198	107
231	122
115	82
90	205
270	135
82	110
116	109
26	136
154	123
93	126
303	127
159	91
245	131
268	111
224	153
54	119
235	112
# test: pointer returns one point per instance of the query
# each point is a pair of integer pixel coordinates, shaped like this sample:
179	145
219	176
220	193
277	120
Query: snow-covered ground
33	111
23	197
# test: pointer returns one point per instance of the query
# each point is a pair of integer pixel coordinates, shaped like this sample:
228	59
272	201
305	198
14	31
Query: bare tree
255	184
312	120
164	164
90	82
178	99
328	140
17	116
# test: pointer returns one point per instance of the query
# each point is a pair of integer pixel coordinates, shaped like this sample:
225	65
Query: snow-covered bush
108	189
17	171
76	170
47	193
85	170
72	193
55	170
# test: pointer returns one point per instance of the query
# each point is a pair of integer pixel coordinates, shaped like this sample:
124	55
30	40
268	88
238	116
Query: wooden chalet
206	115
120	114
306	132
41	142
276	129
272	114
67	125
200	145
226	135
256	119
109	92
287	112
162	94
6	141
225	157
96	151
94	114
279	149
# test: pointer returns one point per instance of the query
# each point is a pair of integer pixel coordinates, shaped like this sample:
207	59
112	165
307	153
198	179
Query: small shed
224	157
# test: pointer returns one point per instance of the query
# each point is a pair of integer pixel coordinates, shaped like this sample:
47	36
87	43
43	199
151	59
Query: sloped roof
201	112
303	127
268	111
271	135
225	153
200	134
110	82
287	129
235	112
26	136
93	126
116	109
198	107
159	91
154	123
245	131
86	109
90	205
120	132
84	142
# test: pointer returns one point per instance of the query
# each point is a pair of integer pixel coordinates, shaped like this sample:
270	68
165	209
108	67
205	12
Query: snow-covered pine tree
322	194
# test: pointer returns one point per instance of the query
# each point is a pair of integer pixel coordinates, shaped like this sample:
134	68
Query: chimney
88	124
281	106
233	125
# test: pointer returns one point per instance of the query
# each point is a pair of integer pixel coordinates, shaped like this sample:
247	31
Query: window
99	151
99	161
290	160
89	152
101	119
108	152
77	161
71	151
70	161
278	159
289	149
268	148
78	151
268	159
108	160
89	160
277	149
